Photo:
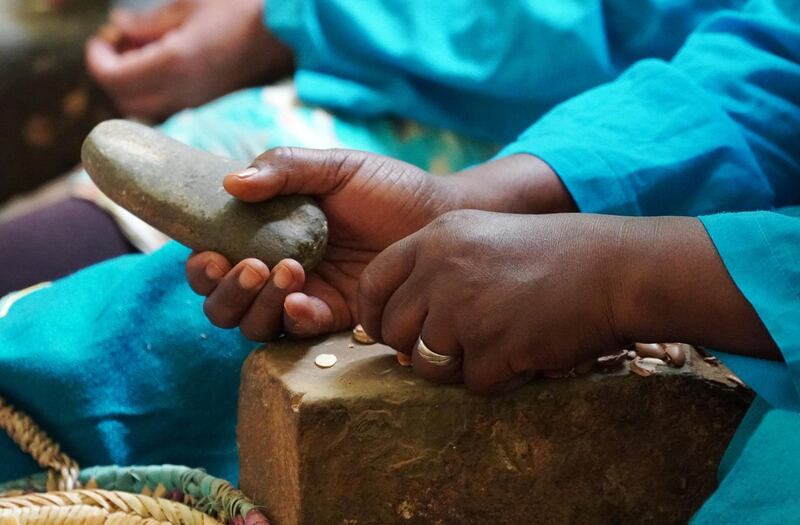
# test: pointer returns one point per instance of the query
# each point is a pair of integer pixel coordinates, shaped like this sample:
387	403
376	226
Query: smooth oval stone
178	190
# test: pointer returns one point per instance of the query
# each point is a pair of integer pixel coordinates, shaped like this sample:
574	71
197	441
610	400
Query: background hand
183	54
508	295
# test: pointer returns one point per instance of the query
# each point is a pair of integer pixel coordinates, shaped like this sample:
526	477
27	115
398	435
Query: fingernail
249	172
282	278
249	278
214	272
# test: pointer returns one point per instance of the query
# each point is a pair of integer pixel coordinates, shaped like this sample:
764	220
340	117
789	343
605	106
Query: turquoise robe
118	362
486	68
715	133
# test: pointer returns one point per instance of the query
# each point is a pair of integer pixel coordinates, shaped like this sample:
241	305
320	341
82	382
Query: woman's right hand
370	202
184	54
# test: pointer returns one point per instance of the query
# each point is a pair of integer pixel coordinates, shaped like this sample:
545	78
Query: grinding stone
178	190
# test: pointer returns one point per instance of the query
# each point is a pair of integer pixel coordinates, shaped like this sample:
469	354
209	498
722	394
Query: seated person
679	138
436	86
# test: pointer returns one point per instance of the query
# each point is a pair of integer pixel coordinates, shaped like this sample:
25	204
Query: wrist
673	286
515	184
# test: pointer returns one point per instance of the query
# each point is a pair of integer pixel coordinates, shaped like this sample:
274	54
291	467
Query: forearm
514	184
673	286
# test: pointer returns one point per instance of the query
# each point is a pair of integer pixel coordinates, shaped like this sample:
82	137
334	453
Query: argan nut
613	361
650	350
325	360
735	379
361	336
111	34
675	355
640	368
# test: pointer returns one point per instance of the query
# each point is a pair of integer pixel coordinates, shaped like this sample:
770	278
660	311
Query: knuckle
393	335
256	332
219	316
476	382
281	154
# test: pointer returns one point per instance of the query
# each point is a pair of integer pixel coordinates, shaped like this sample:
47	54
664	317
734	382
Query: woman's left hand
504	295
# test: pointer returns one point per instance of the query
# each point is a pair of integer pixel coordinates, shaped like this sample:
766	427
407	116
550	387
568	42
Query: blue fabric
486	68
762	485
119	365
713	130
768	242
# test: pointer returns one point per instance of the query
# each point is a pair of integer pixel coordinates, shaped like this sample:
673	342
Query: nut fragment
640	368
361	336
650	350
675	355
111	34
613	361
403	359
325	360
653	361
734	379
711	360
631	354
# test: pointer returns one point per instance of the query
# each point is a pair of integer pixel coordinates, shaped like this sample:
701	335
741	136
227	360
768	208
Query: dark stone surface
368	442
178	190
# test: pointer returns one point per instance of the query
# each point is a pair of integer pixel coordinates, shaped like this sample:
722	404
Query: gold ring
432	357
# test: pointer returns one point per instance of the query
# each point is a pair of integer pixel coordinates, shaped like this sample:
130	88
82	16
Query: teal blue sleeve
486	68
761	251
715	129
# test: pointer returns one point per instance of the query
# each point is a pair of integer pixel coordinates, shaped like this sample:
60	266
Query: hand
507	295
510	295
184	54
370	202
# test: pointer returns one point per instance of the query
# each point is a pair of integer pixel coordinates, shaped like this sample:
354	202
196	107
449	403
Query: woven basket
66	495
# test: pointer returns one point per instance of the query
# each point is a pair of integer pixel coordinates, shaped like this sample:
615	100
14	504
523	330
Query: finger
486	372
380	279
437	337
148	104
264	319
321	309
204	271
289	171
307	316
137	71
230	300
141	28
403	316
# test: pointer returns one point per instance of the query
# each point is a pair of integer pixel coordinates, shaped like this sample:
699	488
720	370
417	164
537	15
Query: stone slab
366	441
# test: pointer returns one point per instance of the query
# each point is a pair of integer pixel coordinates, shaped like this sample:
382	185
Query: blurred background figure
48	100
435	85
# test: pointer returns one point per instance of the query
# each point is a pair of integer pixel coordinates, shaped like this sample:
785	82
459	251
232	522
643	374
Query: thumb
146	27
295	171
